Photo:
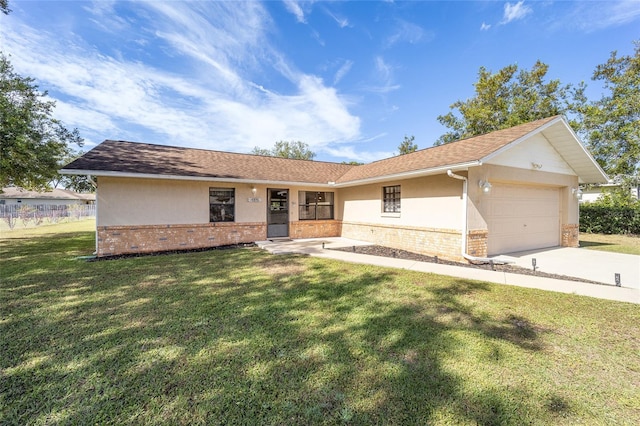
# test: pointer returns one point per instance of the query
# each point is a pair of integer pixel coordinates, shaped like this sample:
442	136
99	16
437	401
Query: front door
278	213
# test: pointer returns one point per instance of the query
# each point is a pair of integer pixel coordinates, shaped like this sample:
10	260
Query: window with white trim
391	199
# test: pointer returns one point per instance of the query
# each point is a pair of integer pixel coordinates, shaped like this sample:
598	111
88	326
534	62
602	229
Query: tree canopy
287	149
4	7
32	142
78	183
407	146
611	125
505	99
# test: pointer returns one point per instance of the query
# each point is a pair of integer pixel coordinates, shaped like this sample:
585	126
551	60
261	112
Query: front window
391	199
222	204
315	205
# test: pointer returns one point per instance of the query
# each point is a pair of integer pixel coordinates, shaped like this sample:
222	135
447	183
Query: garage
522	218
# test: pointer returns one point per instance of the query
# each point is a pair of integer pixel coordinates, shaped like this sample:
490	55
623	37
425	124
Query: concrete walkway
314	247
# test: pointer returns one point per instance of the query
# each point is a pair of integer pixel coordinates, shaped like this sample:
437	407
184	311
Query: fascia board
586	152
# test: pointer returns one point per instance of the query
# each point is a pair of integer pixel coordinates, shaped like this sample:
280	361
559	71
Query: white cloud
485	27
212	98
592	16
342	22
407	32
513	12
385	77
351	153
294	7
344	70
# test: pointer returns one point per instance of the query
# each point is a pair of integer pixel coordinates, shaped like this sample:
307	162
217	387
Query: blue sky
350	79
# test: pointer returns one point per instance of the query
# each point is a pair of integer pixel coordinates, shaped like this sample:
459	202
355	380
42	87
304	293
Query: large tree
287	149
32	142
4	7
507	98
611	125
408	145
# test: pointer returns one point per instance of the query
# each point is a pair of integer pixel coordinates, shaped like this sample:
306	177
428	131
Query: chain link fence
12	215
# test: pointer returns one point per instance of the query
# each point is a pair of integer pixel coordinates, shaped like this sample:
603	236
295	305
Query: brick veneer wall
570	235
315	228
477	242
444	243
116	240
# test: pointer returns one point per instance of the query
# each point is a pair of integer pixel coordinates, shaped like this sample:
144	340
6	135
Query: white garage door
522	218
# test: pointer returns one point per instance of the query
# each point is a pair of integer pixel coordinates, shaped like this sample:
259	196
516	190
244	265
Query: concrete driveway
600	266
562	261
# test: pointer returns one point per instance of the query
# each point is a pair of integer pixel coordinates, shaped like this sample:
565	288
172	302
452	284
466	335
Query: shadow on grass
593	244
240	336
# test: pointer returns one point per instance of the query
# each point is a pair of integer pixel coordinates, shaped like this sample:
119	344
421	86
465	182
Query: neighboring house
55	197
510	190
593	193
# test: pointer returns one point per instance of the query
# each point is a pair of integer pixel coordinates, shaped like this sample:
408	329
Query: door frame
278	229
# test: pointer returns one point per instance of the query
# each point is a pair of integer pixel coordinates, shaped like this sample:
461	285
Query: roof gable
534	153
564	141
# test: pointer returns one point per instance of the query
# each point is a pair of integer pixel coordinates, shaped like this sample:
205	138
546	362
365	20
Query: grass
244	337
627	244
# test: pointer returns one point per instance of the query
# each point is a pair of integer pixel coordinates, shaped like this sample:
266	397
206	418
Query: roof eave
190	178
409	175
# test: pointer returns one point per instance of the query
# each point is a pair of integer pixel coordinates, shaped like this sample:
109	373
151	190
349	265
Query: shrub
617	212
609	220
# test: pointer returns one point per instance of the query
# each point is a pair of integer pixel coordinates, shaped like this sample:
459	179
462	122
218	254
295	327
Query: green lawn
244	337
628	244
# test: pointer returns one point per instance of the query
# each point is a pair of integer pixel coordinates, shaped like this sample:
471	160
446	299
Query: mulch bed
403	254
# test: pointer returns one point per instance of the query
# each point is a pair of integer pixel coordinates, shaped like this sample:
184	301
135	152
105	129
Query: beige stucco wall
133	201
433	201
569	210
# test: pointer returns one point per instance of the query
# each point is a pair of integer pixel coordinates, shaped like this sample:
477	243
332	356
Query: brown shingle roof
460	152
140	158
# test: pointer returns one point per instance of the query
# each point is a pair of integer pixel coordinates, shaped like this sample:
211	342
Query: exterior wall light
485	186
577	192
254	190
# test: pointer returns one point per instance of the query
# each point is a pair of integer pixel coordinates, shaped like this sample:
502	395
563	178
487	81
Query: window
315	205
391	199
222	204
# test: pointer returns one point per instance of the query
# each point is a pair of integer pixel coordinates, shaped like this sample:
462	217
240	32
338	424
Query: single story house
56	197
506	191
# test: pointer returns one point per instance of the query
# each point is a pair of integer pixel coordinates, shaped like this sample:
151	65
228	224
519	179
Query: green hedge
609	220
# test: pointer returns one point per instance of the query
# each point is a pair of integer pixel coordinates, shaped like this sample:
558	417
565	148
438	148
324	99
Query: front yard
243	337
627	244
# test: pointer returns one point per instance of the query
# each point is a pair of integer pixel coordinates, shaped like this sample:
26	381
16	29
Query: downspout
465	203
95	186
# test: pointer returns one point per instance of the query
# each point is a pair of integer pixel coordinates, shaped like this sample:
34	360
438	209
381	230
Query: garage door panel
522	218
533	208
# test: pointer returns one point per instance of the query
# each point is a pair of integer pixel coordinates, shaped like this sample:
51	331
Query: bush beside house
615	213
